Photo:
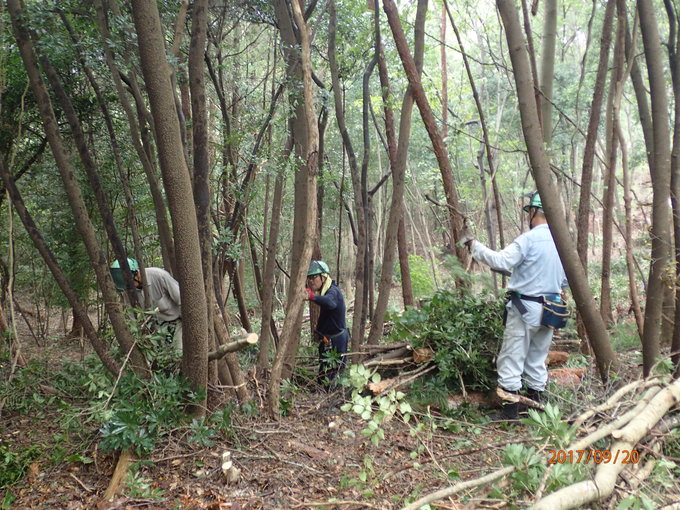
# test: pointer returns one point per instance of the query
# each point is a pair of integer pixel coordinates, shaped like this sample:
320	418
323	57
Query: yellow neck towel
326	284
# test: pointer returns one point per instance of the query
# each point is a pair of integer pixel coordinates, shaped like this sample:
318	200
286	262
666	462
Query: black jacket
332	316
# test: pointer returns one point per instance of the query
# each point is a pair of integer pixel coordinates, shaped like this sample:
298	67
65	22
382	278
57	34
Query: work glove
310	293
465	237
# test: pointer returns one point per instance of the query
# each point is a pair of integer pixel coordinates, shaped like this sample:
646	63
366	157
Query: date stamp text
596	456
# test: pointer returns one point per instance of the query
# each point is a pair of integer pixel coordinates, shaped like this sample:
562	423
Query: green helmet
318	267
117	272
534	201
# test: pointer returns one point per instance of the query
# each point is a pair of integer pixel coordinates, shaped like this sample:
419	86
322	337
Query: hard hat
534	201
117	272
318	267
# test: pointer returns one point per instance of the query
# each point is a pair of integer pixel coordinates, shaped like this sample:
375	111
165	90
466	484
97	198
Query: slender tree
540	169
296	293
660	173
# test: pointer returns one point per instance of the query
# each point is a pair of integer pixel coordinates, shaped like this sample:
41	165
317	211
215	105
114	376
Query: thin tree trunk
75	198
361	290
398	155
583	221
79	309
485	134
660	174
291	327
613	106
605	357
675	187
456	218
115	148
548	67
404	265
92	176
267	326
630	262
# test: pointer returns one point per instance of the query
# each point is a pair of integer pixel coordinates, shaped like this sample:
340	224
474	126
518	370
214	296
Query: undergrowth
463	330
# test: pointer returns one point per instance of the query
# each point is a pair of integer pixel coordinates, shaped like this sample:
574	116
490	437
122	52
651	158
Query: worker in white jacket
164	295
536	276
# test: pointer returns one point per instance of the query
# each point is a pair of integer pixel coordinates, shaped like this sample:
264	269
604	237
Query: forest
178	176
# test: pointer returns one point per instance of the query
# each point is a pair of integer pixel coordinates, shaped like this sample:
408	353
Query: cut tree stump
124	460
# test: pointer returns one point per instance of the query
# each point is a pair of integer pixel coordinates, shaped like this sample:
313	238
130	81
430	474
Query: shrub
464	331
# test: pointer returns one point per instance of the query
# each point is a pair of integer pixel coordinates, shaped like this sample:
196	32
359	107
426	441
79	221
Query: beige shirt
163	291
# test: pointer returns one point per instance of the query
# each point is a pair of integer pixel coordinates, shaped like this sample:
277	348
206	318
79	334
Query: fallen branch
382	347
511	397
613	400
605	477
450	491
236	345
605	430
383	386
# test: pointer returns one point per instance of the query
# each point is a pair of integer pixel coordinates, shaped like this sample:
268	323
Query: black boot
535	395
510	411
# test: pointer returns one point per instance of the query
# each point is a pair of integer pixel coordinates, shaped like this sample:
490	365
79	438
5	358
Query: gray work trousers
524	349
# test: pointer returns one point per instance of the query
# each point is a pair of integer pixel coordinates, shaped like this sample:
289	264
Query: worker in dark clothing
331	330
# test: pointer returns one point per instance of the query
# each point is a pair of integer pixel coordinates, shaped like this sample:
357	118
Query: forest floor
314	457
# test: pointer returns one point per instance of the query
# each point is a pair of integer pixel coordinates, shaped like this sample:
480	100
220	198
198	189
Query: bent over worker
537	275
331	330
164	294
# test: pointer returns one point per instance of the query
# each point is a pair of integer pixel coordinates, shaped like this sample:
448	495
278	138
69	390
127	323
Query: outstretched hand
310	293
465	237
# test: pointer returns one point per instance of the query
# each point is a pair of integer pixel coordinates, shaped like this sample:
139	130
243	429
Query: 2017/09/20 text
596	456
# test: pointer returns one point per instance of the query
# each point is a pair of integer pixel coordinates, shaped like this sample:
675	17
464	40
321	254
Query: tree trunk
548	67
612	127
660	174
404	265
360	205
307	214
92	176
675	189
398	155
267	326
75	198
583	221
540	167
177	183
120	166
79	309
137	136
456	218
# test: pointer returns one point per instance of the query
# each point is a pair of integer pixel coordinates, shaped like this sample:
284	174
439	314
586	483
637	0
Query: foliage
548	425
140	487
144	411
373	410
14	464
463	329
421	276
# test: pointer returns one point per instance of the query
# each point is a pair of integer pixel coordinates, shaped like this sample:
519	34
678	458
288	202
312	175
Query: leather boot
510	410
532	394
535	395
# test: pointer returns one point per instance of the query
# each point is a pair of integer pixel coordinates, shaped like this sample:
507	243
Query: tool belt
327	338
555	312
